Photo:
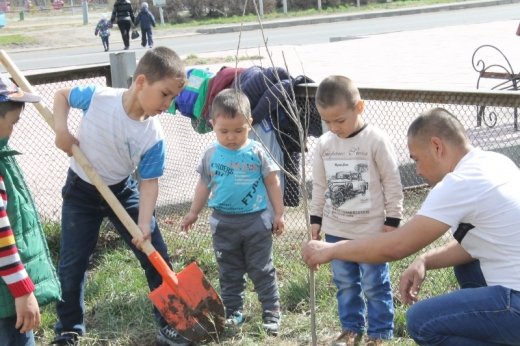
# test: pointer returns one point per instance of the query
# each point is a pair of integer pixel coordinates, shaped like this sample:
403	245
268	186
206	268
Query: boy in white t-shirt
119	134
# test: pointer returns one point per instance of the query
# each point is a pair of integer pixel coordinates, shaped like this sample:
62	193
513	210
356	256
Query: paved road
279	35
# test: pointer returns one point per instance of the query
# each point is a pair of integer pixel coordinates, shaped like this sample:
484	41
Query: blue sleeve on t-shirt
81	96
151	165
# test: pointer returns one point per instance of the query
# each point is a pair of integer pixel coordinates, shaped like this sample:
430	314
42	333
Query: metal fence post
122	67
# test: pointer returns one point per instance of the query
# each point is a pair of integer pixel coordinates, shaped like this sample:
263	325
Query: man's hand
314	253
411	280
387	228
27	313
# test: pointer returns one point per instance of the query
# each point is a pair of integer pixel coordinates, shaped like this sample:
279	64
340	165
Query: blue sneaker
236	319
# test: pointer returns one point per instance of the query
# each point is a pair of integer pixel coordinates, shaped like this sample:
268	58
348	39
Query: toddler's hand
188	220
278	225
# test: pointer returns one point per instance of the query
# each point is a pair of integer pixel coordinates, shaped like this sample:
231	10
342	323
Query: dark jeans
83	211
146	36
124	27
104	40
474	315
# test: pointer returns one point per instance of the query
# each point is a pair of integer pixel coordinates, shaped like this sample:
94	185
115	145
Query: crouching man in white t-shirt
476	194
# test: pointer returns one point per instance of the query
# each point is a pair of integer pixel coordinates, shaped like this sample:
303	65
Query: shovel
186	300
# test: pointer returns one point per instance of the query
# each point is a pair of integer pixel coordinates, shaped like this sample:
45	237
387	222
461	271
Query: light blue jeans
10	336
357	282
475	315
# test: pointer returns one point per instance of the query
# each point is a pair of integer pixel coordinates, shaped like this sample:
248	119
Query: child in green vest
25	285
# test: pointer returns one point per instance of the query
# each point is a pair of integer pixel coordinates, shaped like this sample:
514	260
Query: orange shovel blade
192	306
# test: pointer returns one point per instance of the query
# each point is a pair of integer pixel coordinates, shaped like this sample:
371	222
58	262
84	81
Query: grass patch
118	311
193	59
16	39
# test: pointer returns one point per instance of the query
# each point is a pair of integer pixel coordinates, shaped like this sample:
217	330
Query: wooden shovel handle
103	189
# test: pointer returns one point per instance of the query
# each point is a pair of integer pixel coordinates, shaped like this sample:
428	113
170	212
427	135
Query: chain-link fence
489	118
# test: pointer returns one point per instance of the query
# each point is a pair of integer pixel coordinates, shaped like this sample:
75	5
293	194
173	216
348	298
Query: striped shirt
12	270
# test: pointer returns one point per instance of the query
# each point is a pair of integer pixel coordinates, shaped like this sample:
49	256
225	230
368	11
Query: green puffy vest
29	236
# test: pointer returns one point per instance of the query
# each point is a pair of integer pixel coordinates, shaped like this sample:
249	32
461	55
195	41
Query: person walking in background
28	279
476	195
239	178
103	30
120	135
146	20
123	15
356	192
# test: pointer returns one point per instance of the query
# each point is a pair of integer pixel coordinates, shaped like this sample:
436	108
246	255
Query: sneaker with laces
66	339
348	338
271	321
235	319
167	336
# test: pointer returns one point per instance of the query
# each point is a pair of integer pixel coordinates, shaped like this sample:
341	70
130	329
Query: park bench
500	70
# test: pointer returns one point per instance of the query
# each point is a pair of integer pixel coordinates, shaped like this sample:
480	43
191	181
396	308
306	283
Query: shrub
224	8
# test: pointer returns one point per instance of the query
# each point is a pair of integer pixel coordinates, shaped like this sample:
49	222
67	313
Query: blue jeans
475	315
354	280
10	336
83	211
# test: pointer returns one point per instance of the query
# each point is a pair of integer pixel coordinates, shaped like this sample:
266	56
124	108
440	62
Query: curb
346	17
318	19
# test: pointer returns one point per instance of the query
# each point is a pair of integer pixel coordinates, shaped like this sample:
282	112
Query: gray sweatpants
244	244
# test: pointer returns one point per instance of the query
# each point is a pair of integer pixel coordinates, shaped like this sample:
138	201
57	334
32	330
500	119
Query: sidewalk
432	59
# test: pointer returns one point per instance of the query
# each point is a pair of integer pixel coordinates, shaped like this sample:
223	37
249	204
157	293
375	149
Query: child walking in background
146	20
239	179
356	192
103	30
120	135
28	279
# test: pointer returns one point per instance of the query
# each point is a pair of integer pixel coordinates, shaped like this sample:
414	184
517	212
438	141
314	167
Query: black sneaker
271	321
167	336
66	339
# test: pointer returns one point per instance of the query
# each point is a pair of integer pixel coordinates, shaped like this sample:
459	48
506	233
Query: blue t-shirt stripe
151	165
81	96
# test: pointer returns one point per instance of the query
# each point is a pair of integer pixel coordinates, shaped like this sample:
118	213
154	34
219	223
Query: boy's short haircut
160	63
336	89
231	103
